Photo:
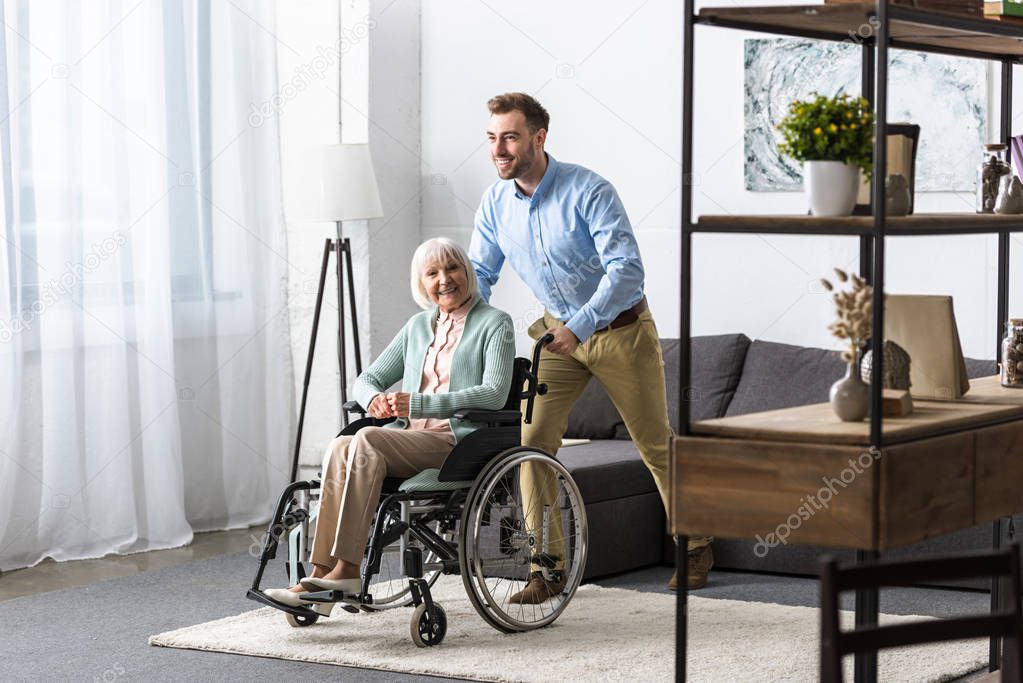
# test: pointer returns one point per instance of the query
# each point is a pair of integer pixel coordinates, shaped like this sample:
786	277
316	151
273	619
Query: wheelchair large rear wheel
502	543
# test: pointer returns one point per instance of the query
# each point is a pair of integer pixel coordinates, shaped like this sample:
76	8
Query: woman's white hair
439	250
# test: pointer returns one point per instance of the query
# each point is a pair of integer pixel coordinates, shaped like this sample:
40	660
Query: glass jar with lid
1012	354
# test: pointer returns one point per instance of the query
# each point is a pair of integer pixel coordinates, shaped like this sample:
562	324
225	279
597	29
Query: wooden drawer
779	492
771	492
927	489
999	481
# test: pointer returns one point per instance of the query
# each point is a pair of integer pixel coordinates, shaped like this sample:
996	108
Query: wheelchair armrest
490	417
353	407
354	427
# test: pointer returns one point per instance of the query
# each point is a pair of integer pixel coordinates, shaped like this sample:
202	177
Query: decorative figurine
989	175
896	192
1010	196
894	369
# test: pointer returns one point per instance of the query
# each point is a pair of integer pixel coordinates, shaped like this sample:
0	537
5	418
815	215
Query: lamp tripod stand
342	247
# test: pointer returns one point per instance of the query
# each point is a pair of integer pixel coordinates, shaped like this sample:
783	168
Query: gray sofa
731	375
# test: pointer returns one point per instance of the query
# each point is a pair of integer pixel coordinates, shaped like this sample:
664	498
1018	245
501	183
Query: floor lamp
347	191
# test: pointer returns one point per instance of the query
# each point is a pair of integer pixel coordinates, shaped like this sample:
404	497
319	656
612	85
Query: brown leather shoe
538	590
700	562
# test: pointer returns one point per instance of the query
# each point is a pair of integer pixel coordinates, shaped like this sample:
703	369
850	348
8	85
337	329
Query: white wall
415	78
611	79
394	136
354	71
307	58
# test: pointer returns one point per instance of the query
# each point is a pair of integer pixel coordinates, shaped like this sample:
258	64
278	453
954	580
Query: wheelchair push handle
533	386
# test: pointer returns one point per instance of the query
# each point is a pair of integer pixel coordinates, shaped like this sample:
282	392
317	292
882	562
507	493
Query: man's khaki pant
627	362
354	468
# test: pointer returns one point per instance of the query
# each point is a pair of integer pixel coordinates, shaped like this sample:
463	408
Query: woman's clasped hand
394	404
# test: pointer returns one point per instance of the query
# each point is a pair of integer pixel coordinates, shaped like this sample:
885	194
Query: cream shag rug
606	634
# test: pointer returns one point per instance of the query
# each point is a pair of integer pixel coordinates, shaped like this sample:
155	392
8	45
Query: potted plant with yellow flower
834	138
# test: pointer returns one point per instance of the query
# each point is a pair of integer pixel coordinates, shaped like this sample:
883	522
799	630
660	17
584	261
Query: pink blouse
437	367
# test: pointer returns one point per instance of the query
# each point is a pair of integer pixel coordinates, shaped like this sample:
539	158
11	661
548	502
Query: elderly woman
456	354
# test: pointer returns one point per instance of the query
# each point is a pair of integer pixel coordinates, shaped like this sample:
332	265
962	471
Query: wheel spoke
485	557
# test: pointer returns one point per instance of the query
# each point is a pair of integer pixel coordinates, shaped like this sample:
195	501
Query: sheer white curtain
145	368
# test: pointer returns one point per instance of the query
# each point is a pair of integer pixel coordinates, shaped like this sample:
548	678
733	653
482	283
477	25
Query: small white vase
850	396
831	187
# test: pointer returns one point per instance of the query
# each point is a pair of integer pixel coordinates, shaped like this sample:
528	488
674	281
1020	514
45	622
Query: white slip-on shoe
344	585
285	597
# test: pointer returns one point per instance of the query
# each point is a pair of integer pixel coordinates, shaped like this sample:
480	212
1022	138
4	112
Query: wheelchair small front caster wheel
299	621
427	633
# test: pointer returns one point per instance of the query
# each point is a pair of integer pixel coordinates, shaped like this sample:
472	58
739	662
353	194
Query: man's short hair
536	116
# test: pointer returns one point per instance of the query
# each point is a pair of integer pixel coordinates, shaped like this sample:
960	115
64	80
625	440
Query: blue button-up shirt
571	243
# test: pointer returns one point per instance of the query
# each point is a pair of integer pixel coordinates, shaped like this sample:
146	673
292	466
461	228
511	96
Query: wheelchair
467	518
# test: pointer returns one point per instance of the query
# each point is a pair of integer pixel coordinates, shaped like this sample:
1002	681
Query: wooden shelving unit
908	28
816	423
918	224
875	27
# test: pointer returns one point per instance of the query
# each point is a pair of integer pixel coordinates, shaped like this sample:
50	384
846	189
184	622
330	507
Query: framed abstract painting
946	96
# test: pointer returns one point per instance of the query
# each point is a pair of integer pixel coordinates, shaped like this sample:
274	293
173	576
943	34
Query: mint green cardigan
481	367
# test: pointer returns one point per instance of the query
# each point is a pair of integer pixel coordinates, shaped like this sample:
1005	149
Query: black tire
425	633
480	596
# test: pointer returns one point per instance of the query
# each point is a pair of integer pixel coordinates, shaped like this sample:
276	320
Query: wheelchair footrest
347	600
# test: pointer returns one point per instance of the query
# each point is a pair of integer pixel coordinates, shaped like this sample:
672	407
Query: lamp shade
346	185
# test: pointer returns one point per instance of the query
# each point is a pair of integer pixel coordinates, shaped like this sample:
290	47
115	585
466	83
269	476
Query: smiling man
565	232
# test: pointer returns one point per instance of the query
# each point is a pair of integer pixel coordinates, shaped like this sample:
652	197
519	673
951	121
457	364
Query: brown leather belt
626	317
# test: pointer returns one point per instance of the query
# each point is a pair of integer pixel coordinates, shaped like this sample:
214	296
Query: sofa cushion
625	534
980	368
717	365
782	375
606	470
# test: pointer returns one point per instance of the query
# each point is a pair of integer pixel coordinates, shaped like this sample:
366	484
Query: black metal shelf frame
874	84
796	228
897	13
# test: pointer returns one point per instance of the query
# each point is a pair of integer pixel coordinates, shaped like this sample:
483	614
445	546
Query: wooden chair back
1005	623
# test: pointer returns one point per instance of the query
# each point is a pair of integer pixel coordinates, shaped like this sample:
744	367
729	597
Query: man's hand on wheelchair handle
565	341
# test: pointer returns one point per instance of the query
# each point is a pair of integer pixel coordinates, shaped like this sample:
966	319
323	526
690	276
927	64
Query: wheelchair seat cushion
427	481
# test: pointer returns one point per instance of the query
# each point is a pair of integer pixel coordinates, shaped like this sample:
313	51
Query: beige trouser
627	362
354	468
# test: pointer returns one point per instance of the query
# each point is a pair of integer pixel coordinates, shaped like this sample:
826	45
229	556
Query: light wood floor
49	575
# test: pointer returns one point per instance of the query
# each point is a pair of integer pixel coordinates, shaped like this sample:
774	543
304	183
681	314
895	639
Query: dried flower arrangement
854	308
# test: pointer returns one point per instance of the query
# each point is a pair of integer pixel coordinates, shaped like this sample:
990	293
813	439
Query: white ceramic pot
850	396
831	187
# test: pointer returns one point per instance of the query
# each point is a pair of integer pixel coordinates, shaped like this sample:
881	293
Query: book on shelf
974	7
902	146
1003	8
925	326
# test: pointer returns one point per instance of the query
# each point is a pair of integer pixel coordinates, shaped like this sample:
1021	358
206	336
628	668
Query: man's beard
517	169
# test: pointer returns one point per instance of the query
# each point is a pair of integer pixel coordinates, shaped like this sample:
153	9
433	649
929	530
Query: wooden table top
986	403
990	390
